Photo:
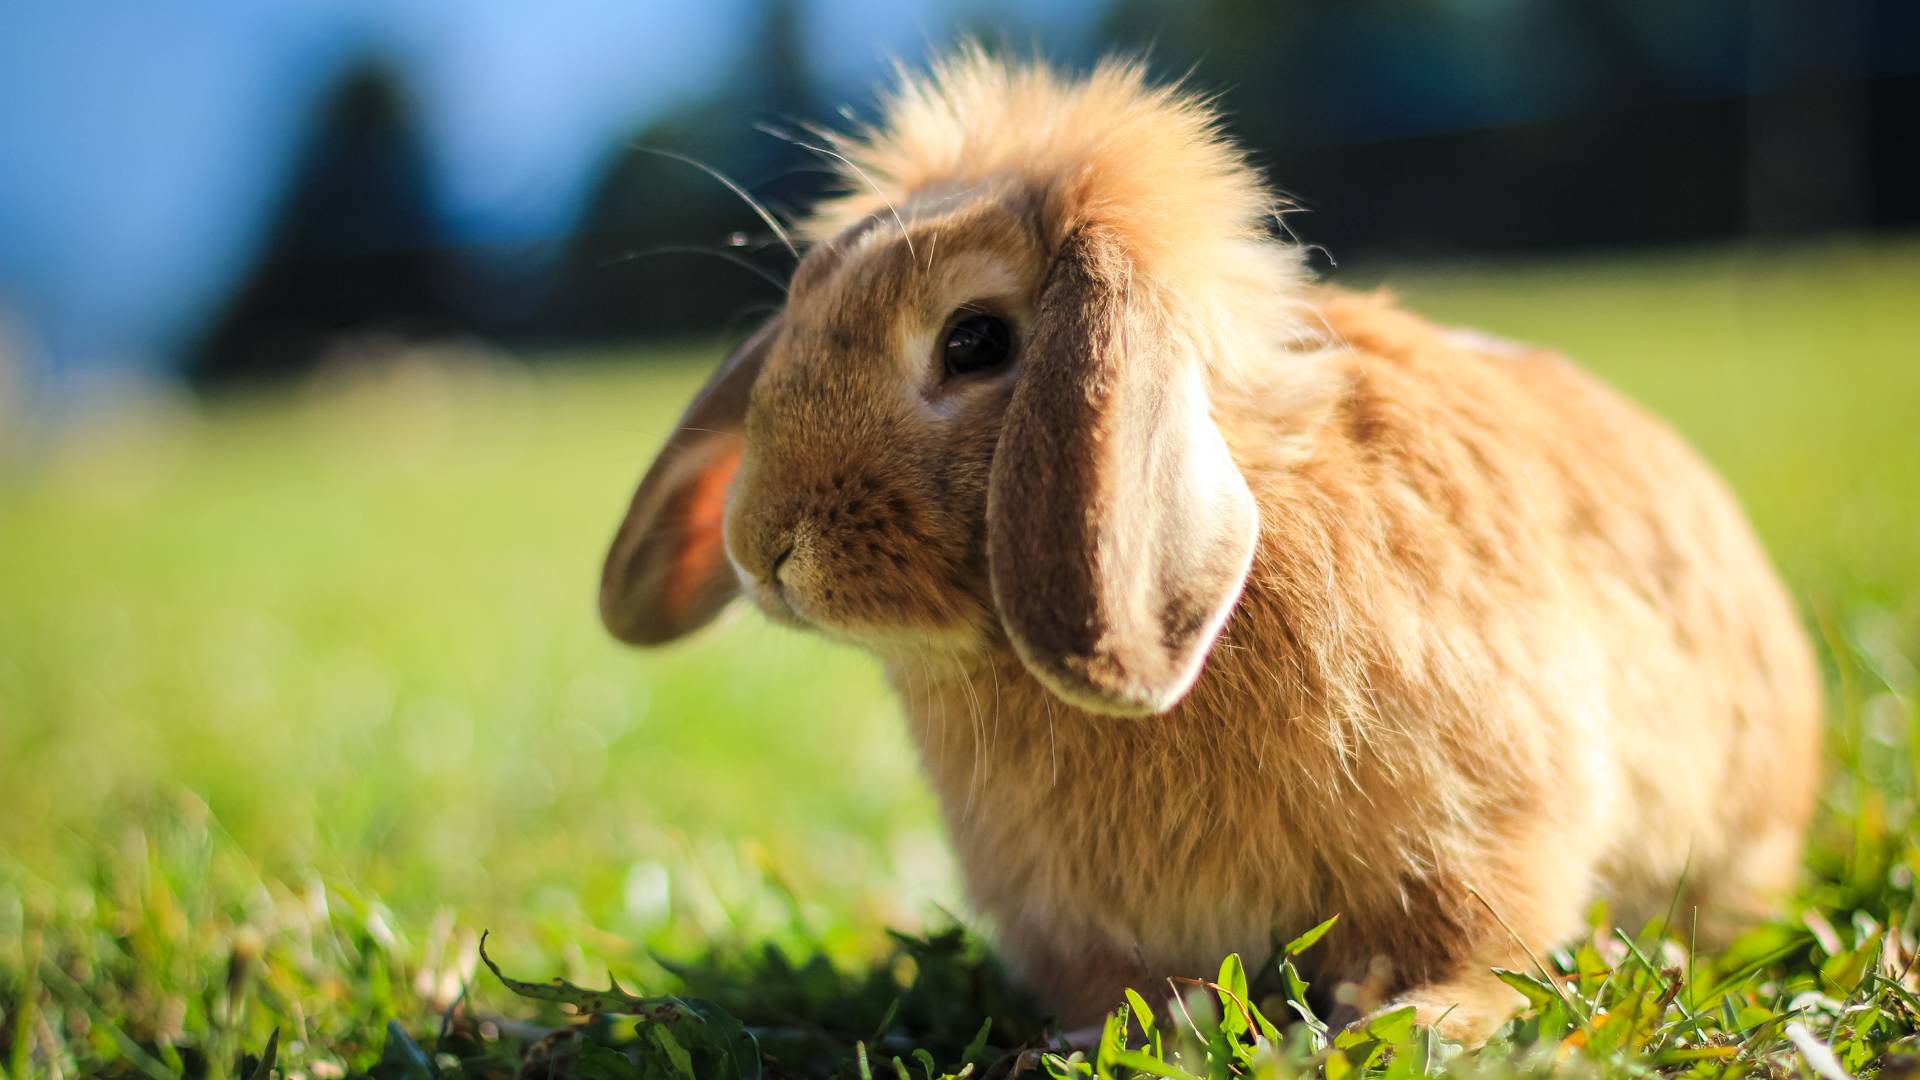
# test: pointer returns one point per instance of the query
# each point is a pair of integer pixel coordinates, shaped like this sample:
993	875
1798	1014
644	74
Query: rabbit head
984	416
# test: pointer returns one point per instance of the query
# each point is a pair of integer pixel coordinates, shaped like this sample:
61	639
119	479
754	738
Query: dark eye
976	343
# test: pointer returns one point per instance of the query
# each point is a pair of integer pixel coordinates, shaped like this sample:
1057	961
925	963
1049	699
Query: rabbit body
1508	646
1220	603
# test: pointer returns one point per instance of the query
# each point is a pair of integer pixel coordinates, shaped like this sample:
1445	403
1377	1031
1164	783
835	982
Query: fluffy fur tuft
1152	164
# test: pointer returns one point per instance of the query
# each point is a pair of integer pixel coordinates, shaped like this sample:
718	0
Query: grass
301	689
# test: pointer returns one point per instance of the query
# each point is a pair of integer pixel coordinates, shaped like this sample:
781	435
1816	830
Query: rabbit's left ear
1119	530
667	574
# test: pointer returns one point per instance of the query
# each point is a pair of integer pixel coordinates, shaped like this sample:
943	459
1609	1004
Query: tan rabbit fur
1232	602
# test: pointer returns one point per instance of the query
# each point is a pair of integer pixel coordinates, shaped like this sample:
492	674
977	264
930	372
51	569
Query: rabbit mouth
771	598
790	606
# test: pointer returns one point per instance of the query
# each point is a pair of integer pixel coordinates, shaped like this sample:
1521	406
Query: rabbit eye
976	343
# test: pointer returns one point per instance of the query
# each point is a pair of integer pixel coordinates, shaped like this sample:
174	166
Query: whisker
690	249
857	171
758	313
1053	741
765	215
979	730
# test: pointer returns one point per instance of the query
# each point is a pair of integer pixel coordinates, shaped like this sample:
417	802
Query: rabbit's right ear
1119	529
667	573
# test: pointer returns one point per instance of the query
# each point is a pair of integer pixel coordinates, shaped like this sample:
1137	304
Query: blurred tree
354	244
662	245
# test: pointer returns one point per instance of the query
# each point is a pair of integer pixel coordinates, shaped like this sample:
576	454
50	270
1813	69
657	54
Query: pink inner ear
703	516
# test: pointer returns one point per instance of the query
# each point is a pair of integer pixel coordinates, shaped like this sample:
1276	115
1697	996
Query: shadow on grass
938	1005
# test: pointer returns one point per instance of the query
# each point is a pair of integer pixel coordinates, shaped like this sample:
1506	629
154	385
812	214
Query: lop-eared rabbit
1219	601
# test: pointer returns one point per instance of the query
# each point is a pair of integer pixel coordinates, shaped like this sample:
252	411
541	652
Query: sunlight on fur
1232	601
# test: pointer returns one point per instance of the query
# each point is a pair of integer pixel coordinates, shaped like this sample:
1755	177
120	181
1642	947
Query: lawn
302	688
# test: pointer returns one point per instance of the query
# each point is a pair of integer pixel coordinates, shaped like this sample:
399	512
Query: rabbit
1220	601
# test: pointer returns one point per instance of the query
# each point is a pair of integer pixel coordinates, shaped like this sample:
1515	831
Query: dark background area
1402	129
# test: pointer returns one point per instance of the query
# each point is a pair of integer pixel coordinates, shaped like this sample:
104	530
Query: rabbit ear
667	573
1119	530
